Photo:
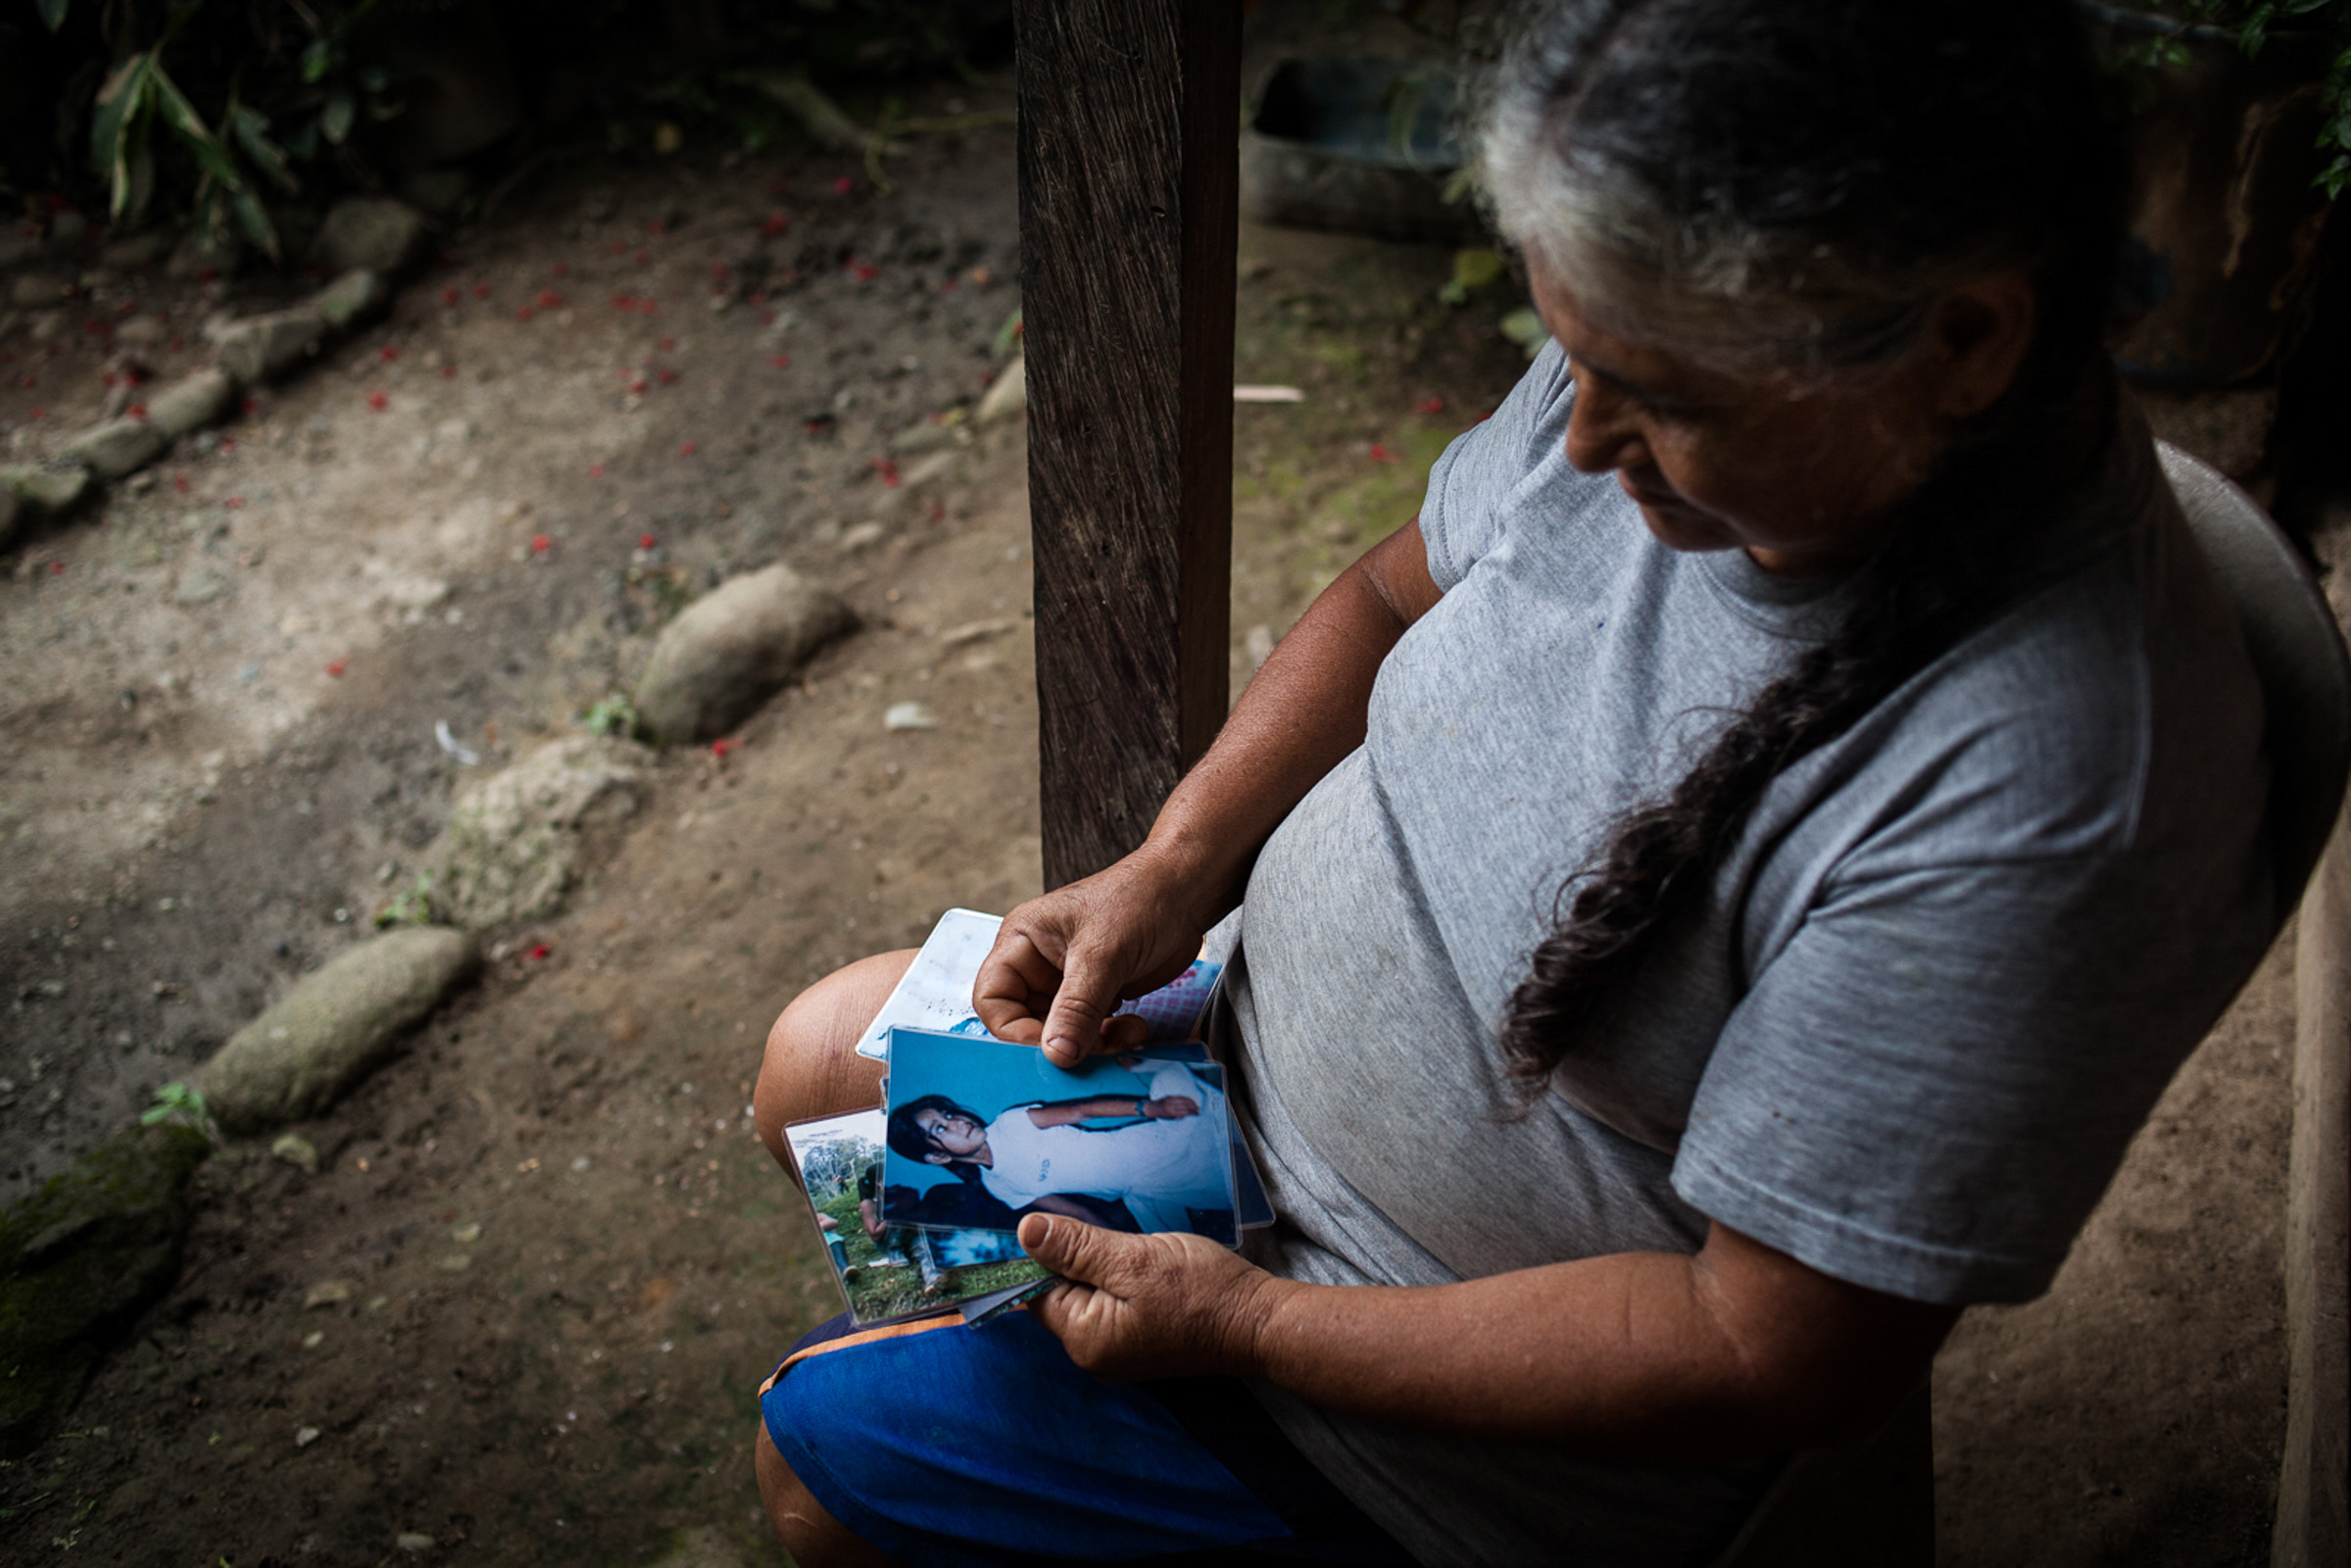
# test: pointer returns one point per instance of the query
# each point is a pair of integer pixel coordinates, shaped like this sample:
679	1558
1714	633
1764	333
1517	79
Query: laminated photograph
981	1133
935	991
891	1271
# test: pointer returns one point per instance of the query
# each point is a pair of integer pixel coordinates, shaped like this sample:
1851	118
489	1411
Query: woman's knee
810	1067
813	1537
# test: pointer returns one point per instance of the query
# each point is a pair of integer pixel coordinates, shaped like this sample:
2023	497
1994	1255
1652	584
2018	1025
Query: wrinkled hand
1149	1307
1170	1107
1062	961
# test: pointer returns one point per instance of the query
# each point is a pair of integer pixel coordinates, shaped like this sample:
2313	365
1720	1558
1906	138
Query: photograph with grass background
903	1271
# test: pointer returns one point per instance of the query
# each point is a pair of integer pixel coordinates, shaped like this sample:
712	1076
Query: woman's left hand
1169	1305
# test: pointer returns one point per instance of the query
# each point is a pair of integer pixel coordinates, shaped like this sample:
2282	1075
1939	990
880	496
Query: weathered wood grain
1129	129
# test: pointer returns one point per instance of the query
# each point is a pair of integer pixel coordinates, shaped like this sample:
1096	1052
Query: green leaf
254	220
121	103
335	119
249	128
188	125
53	13
316	61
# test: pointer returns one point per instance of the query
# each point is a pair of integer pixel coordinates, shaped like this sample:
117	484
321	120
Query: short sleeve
1927	1088
1473	479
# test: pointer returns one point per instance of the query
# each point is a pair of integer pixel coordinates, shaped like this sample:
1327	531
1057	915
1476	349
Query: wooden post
1129	133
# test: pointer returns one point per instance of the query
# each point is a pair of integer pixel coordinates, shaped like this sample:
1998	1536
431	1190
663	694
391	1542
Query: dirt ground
549	1259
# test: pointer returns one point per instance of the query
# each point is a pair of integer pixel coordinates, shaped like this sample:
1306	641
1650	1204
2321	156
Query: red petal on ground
378	402
549	300
638	388
782	362
720	748
449	296
645	541
775	224
137	411
563	268
1432	406
179	482
522	314
844	185
388	353
541	951
335	669
57	569
624	302
668	344
665	376
449	372
656	229
595	471
481	291
40	413
234	502
688	448
540	544
1380	453
950	286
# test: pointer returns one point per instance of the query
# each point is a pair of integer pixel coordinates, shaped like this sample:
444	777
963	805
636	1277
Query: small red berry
180	484
1432	406
234	502
549	300
57	569
665	376
137	411
1380	453
720	748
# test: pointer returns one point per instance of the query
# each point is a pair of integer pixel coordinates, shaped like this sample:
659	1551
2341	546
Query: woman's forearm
1304	711
1649	1357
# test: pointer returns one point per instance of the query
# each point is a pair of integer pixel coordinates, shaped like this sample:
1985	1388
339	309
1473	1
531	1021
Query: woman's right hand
1061	962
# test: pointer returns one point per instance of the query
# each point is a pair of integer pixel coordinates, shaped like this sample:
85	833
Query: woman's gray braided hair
1785	186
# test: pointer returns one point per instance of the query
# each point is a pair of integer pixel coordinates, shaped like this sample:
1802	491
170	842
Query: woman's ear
1978	340
935	1158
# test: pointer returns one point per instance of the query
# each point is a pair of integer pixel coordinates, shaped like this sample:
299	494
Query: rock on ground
512	846
375	232
730	650
190	403
45	492
79	1260
116	448
299	1056
1007	396
262	347
356	297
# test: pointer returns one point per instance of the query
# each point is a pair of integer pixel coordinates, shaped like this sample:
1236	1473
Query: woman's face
952	1134
1803	480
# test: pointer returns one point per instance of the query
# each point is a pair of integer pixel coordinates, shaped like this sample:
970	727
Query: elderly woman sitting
1707	903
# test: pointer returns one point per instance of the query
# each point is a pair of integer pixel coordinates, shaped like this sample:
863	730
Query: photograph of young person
1163	1153
1706	903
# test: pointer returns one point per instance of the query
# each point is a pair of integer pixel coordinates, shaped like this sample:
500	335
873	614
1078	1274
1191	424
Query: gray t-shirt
1940	980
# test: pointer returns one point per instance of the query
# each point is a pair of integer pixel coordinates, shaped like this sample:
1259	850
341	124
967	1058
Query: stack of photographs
918	1201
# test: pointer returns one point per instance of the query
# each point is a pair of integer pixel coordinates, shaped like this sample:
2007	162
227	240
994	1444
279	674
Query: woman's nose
1599	435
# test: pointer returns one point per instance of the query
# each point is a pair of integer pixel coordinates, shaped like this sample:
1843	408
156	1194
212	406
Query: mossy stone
80	1259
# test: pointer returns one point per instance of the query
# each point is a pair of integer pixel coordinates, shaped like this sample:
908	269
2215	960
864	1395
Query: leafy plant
178	1099
2252	22
412	906
614	715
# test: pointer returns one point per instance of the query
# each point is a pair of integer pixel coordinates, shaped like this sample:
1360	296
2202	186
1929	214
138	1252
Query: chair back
2297	655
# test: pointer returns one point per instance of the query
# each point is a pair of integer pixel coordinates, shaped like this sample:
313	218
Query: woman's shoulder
2113	698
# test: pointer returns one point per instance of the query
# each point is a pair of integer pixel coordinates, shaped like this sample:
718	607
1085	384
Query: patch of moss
79	1260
